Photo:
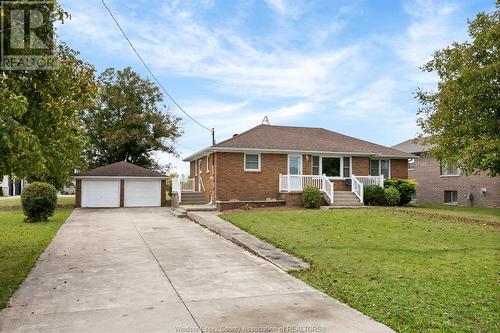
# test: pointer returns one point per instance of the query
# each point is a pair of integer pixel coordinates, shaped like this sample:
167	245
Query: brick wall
360	166
306	164
228	180
235	183
225	205
431	186
78	193
399	169
207	174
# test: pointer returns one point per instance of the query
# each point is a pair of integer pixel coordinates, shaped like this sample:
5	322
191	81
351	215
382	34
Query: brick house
446	184
268	163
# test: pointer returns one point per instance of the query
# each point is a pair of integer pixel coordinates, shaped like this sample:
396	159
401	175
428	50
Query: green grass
15	203
20	245
410	272
487	214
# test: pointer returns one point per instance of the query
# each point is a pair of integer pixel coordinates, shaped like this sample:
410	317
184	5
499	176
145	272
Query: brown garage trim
163	192
78	193
122	193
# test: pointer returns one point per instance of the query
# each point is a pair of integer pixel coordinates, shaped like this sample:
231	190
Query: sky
350	66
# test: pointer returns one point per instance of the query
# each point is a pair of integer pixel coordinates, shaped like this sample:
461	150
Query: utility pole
213	136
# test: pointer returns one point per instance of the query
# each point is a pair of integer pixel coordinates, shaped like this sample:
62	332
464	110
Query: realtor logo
27	38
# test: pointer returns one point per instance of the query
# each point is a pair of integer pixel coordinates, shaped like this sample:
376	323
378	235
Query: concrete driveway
143	270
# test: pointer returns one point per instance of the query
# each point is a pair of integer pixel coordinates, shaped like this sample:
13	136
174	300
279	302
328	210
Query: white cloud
286	8
432	28
174	42
280	79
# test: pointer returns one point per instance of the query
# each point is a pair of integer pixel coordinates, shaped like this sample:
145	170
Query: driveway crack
164	272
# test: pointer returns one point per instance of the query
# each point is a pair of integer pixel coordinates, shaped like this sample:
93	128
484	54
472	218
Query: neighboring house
12	186
277	162
120	184
438	183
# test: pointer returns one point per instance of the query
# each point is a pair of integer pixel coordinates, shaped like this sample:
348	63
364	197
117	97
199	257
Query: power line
152	74
185	147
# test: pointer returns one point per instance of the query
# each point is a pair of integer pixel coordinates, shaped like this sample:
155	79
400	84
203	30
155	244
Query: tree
128	122
462	118
40	135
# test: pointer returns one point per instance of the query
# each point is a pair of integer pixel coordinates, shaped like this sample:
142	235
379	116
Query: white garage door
100	193
142	193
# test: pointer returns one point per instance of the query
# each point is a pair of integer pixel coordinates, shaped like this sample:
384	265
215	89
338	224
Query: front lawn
413	273
480	213
20	245
15	202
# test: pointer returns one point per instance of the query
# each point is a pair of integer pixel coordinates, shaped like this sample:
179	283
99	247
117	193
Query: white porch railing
187	184
359	182
179	185
297	183
176	187
371	180
357	188
201	185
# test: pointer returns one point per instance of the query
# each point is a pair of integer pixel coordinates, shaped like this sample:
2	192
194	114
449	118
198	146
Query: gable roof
121	169
300	139
413	146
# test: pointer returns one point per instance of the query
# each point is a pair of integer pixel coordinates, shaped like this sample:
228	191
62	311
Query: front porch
186	192
297	183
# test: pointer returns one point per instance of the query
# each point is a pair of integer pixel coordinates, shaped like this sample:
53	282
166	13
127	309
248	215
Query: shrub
247	207
311	197
391	196
168	184
373	195
405	187
39	201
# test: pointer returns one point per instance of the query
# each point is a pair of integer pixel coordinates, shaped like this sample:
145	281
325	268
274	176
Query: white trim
380	166
118	177
291	151
288	163
200	169
208	166
341	171
245	163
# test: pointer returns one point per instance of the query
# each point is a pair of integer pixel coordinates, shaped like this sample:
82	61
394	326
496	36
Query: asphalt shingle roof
412	146
304	139
123	169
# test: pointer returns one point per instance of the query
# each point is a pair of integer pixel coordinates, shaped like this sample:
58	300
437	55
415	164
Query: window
449	170
252	162
411	164
315	165
374	168
294	164
451	197
384	168
347	167
379	168
330	166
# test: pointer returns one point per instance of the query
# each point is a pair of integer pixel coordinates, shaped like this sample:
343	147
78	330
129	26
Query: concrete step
343	207
344	193
179	212
345	199
192	195
346	203
193	202
198	208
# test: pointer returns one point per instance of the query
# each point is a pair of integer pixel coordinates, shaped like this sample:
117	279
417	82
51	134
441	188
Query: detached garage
120	184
